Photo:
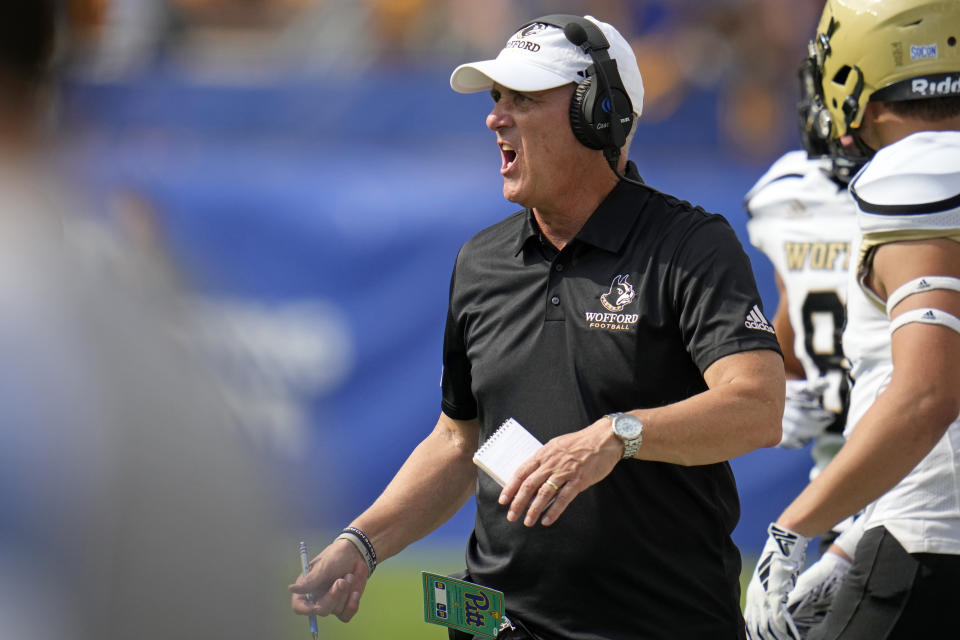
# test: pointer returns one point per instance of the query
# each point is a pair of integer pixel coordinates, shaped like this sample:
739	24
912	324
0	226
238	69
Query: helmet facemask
816	121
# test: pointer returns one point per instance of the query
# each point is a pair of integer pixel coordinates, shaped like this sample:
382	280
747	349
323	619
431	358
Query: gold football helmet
886	50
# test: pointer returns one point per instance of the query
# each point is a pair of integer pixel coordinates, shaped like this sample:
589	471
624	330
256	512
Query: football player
802	217
888	81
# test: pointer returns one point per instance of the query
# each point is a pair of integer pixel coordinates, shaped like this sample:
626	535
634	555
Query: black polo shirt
628	315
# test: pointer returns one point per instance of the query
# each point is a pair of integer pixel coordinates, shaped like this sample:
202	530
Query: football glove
804	417
810	600
773	579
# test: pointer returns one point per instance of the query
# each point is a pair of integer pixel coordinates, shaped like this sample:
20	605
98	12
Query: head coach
623	328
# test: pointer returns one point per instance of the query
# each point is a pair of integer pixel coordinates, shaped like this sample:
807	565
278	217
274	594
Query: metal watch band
630	448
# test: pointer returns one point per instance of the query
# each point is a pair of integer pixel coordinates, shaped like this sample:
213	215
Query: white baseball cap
539	57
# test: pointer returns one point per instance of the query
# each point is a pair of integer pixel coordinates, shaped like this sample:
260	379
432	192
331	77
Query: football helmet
885	50
841	168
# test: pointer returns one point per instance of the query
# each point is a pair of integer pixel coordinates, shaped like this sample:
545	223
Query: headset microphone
575	33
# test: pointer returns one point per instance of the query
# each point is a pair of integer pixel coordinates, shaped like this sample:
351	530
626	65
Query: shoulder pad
796	185
911	184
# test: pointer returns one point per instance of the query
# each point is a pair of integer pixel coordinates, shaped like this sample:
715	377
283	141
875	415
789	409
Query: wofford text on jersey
816	255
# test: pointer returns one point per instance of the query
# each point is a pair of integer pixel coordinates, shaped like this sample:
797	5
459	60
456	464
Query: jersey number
823	319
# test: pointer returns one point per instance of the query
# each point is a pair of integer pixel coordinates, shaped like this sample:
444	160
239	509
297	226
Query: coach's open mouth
509	155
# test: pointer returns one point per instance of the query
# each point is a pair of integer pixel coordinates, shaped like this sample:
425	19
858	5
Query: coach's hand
773	578
335	583
559	471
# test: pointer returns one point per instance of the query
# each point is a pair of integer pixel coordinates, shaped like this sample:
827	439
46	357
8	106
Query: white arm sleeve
926	315
921	285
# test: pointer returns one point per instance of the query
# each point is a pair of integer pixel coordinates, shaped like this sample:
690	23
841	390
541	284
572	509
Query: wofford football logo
618	296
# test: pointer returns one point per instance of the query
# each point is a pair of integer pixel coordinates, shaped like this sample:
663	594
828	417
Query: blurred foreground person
124	493
889	90
623	328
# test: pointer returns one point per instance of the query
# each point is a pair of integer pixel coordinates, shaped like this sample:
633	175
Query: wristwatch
630	430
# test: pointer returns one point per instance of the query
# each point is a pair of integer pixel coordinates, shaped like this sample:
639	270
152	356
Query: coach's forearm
431	486
741	411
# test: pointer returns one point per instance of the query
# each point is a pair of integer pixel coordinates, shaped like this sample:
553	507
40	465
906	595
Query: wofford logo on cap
518	42
532	29
523	44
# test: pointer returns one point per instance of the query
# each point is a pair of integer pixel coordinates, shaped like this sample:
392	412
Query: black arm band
363	545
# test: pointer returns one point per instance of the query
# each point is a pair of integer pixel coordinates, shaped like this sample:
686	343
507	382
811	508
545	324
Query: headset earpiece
580	124
601	113
590	115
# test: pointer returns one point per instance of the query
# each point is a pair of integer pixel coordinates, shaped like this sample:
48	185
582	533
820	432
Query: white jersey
911	189
804	222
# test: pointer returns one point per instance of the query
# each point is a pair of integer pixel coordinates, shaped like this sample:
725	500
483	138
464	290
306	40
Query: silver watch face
627	427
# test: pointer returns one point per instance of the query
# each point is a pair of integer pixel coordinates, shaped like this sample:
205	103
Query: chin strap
848	155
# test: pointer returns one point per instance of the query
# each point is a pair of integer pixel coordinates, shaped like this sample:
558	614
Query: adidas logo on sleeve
756	320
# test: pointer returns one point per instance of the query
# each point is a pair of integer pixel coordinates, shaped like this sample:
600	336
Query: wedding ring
552	484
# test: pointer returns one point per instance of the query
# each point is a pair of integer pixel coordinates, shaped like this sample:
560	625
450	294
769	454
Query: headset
600	97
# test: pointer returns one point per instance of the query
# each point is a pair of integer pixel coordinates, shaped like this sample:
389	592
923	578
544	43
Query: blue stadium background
329	211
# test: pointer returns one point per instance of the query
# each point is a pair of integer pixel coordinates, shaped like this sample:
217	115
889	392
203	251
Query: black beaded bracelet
363	545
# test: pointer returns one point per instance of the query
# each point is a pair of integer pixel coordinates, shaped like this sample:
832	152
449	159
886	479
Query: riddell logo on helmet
936	87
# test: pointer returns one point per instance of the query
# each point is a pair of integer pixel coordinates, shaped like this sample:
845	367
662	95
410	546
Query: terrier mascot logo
621	294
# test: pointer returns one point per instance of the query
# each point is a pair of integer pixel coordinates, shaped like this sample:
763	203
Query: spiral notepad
505	450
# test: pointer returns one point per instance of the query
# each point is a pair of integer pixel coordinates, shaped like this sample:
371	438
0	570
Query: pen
306	569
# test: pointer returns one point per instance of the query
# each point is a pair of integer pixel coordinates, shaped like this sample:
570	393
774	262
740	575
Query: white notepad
505	450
